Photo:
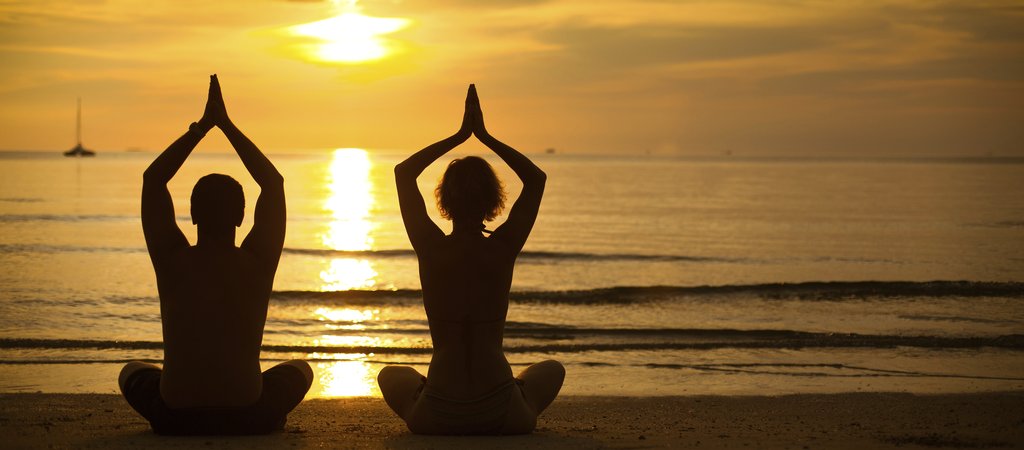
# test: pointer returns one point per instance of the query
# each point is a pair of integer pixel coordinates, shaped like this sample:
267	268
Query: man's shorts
284	387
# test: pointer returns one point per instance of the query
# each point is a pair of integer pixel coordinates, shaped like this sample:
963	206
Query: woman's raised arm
523	214
414	212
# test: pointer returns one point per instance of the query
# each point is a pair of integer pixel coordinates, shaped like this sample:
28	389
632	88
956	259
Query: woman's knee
389	373
521	418
398	385
554	367
541	383
549	369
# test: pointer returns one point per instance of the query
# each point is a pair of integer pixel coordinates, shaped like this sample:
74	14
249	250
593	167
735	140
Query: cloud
575	74
412	6
984	22
665	46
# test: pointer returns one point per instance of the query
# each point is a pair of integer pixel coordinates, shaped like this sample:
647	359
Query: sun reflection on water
351	376
350	202
344	274
347	374
347	315
347	319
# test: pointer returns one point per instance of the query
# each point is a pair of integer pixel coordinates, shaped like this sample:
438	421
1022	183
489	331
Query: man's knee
129	369
305	372
301	366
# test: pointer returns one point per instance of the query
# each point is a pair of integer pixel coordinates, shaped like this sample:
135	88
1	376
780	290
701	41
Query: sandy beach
856	420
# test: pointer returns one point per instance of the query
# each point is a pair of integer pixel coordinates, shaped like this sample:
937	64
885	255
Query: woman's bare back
466	281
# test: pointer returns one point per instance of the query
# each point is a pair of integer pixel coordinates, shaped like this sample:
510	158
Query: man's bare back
213	311
214	297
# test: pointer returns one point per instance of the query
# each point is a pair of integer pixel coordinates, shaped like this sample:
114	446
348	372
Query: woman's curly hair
469	190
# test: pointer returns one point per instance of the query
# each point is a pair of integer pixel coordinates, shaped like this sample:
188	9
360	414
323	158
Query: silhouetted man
213	297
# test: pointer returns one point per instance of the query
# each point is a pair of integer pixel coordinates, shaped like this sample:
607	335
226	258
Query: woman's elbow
539	176
402	170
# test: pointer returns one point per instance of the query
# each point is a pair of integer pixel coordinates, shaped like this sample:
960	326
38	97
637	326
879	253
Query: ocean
644	275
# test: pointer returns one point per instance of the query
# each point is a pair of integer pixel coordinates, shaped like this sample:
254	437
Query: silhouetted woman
466	277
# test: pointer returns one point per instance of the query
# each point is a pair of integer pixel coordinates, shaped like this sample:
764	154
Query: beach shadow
134	436
535	440
149	440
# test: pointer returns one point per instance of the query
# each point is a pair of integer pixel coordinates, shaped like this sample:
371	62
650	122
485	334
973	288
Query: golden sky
760	78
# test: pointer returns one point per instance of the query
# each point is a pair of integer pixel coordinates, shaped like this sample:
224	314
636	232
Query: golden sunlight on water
355	378
343	274
350	375
349	202
350	38
347	315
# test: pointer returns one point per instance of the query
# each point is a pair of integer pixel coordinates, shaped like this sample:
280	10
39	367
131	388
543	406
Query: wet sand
854	421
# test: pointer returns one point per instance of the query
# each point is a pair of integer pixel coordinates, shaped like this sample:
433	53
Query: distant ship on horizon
79	150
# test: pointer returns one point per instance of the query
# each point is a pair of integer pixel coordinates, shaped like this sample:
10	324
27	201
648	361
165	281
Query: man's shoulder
196	257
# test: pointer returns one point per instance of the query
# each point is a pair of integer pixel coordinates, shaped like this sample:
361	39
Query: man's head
217	202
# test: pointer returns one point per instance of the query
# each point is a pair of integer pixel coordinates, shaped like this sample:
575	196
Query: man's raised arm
158	224
266	239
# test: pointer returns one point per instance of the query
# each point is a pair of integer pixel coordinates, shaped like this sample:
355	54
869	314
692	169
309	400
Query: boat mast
78	122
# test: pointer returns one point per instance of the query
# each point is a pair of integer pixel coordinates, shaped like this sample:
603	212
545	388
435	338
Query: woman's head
470	191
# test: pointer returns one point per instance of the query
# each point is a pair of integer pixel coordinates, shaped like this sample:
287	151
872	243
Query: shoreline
850	420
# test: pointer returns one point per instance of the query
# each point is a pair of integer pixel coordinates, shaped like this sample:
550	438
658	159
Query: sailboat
79	150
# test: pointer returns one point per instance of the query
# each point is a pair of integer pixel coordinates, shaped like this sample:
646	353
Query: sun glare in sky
350	37
632	77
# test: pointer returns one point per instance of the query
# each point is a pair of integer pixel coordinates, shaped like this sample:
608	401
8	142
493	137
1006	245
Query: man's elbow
271	182
152	178
274	178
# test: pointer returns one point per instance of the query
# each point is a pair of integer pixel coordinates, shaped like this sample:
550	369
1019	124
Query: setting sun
350	37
